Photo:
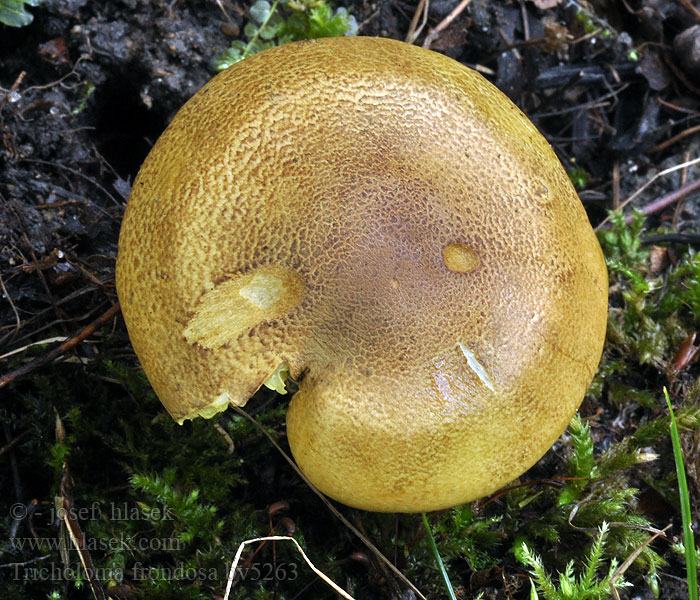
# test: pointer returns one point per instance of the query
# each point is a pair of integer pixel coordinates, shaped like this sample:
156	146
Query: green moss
581	464
651	313
586	586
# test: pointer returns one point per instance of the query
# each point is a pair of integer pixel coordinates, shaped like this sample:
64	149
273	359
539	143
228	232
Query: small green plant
592	23
89	89
14	12
579	178
586	586
581	464
287	21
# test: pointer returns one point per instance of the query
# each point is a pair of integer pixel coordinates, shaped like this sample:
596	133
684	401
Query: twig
514	46
555	482
73	71
669	199
680	109
51	340
672	238
18	321
620	571
677	71
681	204
69	344
621	524
35	260
15	565
596	103
688	5
224	434
79	174
70	521
433	32
616	184
526	22
13	442
78	539
13	88
276	538
648	183
223	11
672	140
38	315
330	506
413	33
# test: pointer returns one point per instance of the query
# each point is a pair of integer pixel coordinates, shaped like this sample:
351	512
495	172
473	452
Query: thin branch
672	140
69	344
330	506
648	183
280	538
413	29
442	25
669	199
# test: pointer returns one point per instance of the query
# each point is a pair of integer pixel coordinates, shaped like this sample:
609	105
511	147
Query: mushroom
384	225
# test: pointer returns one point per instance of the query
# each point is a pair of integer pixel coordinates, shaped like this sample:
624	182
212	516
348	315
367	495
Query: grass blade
688	538
438	560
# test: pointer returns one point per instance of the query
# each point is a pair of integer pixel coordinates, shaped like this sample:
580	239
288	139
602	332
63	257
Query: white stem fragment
273	538
476	366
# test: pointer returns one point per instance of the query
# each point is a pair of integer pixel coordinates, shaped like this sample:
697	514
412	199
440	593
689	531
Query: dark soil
87	88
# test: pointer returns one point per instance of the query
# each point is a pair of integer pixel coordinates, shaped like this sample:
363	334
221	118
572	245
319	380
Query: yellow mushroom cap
386	224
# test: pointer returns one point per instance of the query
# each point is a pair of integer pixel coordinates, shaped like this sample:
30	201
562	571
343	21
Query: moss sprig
587	585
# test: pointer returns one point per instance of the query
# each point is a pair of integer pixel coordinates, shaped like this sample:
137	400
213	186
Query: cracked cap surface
387	223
